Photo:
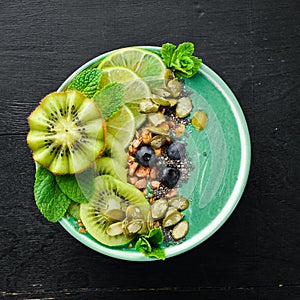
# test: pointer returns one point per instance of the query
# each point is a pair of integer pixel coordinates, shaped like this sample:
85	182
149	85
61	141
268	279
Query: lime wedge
144	63
122	126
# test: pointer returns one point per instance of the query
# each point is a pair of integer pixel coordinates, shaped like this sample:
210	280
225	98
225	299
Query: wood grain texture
254	46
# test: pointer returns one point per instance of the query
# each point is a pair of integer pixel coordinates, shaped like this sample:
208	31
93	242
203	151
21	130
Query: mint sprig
181	59
50	200
110	99
87	82
149	244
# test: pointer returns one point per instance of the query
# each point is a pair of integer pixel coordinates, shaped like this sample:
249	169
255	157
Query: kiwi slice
114	159
115	150
110	166
108	205
67	132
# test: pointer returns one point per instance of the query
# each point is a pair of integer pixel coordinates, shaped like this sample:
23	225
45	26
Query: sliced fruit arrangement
107	148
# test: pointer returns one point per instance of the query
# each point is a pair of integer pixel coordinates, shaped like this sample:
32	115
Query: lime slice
138	117
144	63
135	87
122	126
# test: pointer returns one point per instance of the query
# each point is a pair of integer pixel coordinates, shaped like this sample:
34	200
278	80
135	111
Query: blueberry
145	156
169	176
176	151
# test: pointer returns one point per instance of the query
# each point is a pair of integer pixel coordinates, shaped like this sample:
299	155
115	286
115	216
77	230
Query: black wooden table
254	46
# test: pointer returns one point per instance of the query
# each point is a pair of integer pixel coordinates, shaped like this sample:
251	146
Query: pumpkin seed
115	214
180	230
147	106
180	203
200	119
156	118
169	75
158	130
158	209
172	218
161	92
149	221
132	227
175	87
184	107
160	100
158	141
134	212
114	229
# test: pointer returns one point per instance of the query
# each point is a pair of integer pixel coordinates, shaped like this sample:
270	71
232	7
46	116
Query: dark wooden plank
254	46
209	293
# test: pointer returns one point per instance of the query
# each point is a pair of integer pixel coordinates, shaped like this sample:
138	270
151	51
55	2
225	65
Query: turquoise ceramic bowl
221	156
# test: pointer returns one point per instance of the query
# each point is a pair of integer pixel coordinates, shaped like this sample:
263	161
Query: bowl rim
233	199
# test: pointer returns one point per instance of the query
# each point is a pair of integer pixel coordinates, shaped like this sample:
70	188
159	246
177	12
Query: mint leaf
184	49
181	59
79	187
50	200
142	245
110	99
155	236
167	51
191	70
149	244
87	82
158	253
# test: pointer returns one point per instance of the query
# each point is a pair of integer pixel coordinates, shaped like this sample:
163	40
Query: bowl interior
221	159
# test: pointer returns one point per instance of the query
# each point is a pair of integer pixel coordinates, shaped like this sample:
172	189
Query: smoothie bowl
141	154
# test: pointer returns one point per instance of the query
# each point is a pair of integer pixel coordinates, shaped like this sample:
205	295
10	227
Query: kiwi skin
33	127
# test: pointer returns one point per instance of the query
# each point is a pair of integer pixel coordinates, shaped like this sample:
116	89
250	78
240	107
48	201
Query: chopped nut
154	184
168	140
171	193
151	200
132	179
157	151
130	159
179	131
132	168
171	124
146	136
153	173
141	183
132	150
142	171
136	143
